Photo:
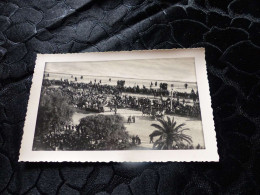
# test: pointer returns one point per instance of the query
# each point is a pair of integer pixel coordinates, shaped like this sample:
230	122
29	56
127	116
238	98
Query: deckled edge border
34	79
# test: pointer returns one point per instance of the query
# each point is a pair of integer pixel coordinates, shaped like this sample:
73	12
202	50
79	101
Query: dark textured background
230	31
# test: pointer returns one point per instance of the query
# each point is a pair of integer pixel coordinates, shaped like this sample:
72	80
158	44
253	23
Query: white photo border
210	153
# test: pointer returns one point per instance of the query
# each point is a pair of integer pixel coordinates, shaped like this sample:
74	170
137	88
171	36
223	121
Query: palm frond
179	126
164	123
158	127
180	131
163	146
169	133
169	121
158	144
186	138
161	120
186	135
173	119
155	133
173	125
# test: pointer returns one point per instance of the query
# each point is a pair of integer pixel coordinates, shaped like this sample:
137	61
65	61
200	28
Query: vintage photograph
132	103
119	105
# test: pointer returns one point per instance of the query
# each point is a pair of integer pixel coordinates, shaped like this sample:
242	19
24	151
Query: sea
129	82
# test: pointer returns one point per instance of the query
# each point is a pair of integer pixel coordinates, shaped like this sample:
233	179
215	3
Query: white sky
176	69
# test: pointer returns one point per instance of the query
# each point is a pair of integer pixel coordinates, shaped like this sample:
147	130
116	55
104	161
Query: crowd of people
77	140
109	89
131	119
136	140
72	141
156	107
95	96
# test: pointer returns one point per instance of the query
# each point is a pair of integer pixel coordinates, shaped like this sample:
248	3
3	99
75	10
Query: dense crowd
156	107
94	97
70	140
77	140
120	88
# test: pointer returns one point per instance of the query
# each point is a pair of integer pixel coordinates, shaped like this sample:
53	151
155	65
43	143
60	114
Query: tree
120	83
170	134
54	112
137	89
106	132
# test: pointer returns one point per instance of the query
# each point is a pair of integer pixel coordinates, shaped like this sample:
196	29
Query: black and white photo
135	102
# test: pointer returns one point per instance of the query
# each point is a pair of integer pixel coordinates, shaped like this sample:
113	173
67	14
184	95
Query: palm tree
170	134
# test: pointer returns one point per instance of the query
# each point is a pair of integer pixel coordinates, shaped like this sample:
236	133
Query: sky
175	69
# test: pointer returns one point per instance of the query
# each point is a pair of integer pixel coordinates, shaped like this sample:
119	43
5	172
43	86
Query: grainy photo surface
120	106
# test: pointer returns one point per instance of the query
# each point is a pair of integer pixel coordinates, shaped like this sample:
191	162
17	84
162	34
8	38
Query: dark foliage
171	135
105	132
54	113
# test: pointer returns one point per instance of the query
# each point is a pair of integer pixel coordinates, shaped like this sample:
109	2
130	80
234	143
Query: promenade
142	126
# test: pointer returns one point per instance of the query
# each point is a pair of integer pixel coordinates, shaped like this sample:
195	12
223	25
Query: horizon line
123	77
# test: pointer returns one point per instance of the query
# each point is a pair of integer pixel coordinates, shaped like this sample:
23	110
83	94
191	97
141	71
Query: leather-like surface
230	31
